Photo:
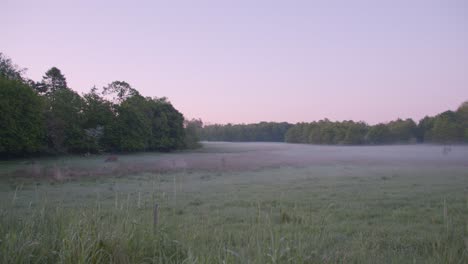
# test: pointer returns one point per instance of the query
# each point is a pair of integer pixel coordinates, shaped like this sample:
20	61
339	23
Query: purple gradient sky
249	61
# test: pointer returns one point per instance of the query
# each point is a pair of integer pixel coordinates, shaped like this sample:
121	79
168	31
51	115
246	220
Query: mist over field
256	132
228	156
240	203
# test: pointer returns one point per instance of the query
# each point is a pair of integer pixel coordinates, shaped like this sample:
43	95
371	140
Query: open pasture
240	203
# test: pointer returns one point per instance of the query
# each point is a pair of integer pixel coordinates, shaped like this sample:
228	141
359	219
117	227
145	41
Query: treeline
264	131
447	127
49	117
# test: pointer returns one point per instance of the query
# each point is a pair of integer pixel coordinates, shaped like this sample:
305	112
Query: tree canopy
54	80
264	131
445	128
49	117
21	119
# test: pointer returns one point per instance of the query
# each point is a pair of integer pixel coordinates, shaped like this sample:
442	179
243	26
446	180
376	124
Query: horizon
247	63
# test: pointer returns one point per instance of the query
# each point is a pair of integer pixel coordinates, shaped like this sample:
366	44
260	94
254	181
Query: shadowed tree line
445	128
47	117
264	131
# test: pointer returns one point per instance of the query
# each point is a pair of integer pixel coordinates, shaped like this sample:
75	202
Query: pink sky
249	61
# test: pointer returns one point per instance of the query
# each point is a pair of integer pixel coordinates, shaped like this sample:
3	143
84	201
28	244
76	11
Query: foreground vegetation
343	211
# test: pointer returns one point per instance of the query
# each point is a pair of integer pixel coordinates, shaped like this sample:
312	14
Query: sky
247	61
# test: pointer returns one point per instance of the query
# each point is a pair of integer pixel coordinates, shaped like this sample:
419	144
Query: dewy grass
339	213
54	234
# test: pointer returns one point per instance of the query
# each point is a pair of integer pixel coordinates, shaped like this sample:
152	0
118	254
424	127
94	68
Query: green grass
320	214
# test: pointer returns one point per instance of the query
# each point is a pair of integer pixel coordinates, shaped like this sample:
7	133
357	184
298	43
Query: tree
355	133
378	134
119	91
97	117
39	87
48	116
263	131
21	119
462	113
327	133
192	131
142	123
64	122
403	131
9	70
131	128
424	129
53	80
136	125
447	128
167	125
96	110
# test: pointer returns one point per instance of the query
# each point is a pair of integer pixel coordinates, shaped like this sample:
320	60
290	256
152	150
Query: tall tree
21	119
447	128
97	117
192	132
355	133
424	129
167	125
379	134
54	80
403	131
132	126
96	110
64	122
9	70
119	91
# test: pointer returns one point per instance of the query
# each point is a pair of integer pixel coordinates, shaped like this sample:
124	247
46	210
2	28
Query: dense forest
47	117
447	127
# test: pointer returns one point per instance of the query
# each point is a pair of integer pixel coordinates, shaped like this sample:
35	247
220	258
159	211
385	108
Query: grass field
240	203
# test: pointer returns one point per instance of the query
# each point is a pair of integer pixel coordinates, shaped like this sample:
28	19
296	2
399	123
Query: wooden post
156	216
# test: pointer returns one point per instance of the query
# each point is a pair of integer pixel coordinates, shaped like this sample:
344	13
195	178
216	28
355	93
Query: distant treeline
264	131
447	127
49	117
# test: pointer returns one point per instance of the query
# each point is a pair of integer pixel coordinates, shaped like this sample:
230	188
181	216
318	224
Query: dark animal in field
112	159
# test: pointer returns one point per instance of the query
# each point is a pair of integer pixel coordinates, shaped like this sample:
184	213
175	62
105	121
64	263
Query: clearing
240	203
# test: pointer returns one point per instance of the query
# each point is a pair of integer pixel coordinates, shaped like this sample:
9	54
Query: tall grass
54	234
238	218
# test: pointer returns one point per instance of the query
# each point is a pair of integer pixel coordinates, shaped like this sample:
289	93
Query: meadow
240	203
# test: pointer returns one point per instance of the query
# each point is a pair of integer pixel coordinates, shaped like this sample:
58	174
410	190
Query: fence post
155	216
